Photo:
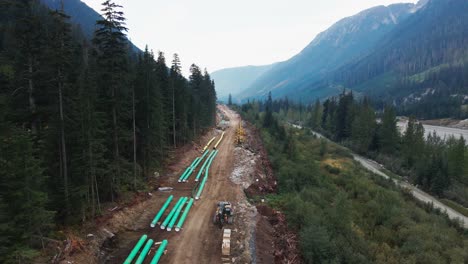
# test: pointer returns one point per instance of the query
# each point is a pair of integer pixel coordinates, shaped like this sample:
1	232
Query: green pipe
202	185
184	179
194	161
169	216
176	215
183	174
159	253
204	165
188	169
212	158
184	215
144	252
161	211
134	251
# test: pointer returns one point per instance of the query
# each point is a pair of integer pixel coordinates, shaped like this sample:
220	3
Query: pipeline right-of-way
205	178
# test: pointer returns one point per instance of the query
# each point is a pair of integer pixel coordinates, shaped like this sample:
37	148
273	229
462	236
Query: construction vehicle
224	214
240	134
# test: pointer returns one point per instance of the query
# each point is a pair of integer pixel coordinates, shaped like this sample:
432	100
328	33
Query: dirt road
200	240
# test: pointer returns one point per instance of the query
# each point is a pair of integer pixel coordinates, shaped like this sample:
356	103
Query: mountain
233	80
432	41
81	15
346	40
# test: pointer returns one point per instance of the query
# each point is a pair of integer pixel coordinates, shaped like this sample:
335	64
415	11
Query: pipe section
183	174
144	252
161	211
169	216
159	253
208	144
202	184
194	167
204	165
135	250
184	215
176	215
219	141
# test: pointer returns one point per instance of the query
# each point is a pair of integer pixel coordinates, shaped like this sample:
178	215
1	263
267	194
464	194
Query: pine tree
230	100
268	119
363	127
111	46
389	135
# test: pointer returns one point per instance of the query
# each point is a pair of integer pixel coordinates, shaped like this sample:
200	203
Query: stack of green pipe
184	179
184	215
161	211
204	165
202	185
144	252
176	215
135	250
159	253
188	169
169	216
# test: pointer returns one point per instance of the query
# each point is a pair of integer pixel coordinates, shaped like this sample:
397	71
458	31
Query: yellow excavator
240	134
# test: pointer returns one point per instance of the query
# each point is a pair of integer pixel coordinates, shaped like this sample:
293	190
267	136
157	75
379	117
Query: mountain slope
431	41
233	80
346	40
80	14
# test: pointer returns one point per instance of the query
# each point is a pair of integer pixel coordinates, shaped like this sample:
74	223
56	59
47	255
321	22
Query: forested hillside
422	62
412	56
346	40
342	212
82	121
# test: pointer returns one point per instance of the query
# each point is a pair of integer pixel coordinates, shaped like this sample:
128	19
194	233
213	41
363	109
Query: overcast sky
216	34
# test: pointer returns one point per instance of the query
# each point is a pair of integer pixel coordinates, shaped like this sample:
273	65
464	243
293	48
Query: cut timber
226	246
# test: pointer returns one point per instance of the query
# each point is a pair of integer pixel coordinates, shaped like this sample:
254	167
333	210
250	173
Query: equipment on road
224	214
240	134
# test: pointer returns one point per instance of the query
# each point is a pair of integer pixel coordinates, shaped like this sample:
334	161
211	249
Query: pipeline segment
159	253
169	216
161	211
219	141
183	174
204	165
208	144
184	179
184	215
135	250
202	184
189	169
176	215
144	252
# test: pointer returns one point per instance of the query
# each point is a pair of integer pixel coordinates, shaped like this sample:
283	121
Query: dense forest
437	165
83	121
343	213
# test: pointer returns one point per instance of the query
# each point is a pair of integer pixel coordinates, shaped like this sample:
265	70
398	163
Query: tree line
83	121
341	212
